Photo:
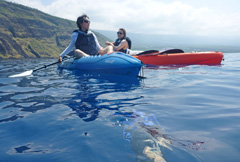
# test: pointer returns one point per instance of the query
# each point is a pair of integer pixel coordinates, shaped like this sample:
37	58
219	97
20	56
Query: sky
181	17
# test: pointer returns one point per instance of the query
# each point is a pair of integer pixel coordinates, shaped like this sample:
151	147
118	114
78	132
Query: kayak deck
115	63
199	58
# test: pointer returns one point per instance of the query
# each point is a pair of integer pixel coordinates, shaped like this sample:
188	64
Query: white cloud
145	16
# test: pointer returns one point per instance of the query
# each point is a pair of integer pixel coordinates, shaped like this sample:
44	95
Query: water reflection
142	130
173	67
87	105
87	95
147	137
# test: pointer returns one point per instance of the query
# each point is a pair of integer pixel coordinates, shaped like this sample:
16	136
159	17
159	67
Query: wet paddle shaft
29	72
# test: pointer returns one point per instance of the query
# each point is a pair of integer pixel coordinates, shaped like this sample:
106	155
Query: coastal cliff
26	32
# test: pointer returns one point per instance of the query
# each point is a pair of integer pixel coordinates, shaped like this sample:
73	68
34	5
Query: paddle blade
29	72
148	52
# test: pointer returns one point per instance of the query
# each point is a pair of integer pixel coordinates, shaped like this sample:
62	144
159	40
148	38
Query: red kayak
178	57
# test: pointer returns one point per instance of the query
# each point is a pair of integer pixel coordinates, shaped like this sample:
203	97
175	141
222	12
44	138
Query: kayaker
122	43
84	41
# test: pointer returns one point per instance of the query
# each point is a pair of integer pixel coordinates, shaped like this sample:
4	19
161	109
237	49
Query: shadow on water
142	130
87	95
172	67
87	104
148	139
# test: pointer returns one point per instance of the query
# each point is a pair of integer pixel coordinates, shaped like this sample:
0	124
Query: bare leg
108	49
78	54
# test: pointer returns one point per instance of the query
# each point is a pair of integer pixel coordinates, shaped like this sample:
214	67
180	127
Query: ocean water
178	113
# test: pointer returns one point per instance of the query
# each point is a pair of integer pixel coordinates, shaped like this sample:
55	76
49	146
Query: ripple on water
188	113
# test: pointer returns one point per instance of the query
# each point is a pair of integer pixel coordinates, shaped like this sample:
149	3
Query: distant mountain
27	32
187	43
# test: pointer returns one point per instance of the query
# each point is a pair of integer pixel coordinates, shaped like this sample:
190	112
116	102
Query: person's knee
78	53
109	49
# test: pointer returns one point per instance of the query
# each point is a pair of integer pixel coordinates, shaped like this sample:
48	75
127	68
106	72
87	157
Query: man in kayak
84	41
122	43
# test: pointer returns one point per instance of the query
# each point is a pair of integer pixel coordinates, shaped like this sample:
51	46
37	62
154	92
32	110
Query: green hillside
27	32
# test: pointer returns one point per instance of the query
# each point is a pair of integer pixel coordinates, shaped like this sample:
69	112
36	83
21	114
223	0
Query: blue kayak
114	63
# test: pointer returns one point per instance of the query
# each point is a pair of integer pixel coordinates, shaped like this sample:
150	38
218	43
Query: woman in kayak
84	41
122	43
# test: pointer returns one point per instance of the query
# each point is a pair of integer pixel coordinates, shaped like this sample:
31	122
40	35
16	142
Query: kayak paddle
29	72
148	52
155	52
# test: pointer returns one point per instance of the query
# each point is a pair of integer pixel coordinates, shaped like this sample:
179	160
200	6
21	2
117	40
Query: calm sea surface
189	114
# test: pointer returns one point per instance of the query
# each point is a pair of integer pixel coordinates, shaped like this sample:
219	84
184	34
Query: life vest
118	41
86	42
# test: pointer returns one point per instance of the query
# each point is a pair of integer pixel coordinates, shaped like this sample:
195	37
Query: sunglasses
86	21
120	33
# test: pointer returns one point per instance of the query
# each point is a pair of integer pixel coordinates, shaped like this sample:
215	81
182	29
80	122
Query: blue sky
184	17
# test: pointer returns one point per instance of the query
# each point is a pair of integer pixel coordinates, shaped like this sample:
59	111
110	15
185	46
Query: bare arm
109	43
123	45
